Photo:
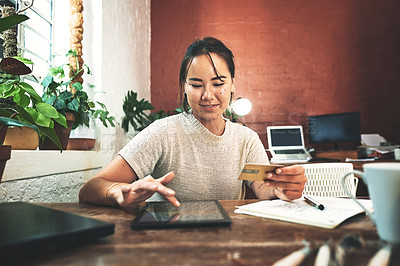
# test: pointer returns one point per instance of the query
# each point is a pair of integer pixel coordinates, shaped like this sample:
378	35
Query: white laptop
286	144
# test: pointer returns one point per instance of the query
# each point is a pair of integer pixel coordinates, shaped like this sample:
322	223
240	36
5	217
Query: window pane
38	23
37	44
44	7
40	68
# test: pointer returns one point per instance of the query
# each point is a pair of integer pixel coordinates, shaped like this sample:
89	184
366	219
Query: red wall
293	58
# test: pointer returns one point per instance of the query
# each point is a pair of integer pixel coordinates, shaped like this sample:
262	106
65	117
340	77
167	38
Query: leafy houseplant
20	104
67	96
137	112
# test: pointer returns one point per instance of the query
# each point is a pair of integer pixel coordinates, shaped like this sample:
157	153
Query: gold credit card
256	172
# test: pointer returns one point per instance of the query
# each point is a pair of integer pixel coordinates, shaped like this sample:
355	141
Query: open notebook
286	144
336	210
28	230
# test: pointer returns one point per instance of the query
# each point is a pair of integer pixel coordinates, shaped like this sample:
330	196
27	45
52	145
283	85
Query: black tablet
157	215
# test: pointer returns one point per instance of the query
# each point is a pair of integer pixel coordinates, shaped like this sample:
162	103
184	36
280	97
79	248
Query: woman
197	153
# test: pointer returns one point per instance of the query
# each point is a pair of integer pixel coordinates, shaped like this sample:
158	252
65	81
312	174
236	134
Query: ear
233	87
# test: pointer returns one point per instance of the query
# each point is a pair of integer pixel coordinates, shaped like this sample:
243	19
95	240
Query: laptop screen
285	137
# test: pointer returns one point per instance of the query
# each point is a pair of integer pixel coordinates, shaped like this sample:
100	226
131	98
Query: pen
313	202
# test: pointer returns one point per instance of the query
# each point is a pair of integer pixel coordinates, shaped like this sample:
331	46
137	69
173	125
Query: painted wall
294	58
116	47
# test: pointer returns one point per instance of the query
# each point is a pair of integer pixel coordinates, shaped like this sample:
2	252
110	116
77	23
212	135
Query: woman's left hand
287	183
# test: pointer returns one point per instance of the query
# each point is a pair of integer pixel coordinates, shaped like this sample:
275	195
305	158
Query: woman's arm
114	185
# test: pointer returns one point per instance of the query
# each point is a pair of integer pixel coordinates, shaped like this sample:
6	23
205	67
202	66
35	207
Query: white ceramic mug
397	154
383	181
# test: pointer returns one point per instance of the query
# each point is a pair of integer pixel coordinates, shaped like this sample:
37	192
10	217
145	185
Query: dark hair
200	47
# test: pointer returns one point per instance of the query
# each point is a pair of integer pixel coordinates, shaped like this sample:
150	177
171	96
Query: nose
208	92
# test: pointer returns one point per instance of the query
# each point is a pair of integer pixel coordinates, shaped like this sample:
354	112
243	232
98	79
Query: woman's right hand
141	190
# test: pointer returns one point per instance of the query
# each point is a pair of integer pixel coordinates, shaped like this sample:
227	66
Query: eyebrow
195	79
219	78
215	78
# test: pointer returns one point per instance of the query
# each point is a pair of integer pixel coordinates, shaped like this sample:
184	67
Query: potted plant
19	103
21	99
21	106
138	112
69	97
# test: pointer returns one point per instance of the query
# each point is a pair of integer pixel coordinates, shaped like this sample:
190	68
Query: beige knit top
206	166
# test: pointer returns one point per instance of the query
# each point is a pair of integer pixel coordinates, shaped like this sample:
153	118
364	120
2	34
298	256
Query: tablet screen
189	214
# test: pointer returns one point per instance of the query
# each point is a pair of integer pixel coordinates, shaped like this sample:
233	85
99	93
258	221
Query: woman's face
209	95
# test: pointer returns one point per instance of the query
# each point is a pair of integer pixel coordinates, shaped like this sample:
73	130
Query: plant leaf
48	132
47	110
30	90
61	120
11	21
24	60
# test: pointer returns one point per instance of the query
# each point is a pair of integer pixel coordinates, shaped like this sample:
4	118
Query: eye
195	85
219	84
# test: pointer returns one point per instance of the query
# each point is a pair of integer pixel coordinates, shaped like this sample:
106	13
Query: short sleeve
144	150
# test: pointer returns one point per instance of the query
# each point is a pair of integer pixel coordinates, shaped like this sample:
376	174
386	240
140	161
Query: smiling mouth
209	106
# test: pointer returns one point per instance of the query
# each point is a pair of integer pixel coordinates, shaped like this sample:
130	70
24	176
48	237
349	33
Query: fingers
167	178
291	170
287	194
157	185
288	182
291	174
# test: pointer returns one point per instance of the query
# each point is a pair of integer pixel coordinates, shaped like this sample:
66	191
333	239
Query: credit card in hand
256	172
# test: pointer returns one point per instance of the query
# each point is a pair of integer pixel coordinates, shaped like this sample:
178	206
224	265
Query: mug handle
343	184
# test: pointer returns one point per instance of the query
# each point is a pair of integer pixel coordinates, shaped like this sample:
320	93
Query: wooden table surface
248	241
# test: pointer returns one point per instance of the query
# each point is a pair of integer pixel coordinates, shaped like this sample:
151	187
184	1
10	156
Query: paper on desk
336	211
372	139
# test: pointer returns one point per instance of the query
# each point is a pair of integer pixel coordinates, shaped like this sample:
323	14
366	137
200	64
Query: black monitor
335	128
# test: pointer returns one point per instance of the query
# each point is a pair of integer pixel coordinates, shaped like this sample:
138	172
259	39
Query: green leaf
4	88
51	100
61	120
24	60
11	91
54	71
43	120
48	132
11	21
30	90
21	99
47	110
13	122
73	105
65	95
60	104
47	81
77	86
102	105
32	113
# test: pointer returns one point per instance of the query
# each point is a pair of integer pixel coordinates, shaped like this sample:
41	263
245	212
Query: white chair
323	179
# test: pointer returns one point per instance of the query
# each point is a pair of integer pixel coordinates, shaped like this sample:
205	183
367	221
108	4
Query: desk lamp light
242	106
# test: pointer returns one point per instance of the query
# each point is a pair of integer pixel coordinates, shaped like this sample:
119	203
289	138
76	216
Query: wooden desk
248	241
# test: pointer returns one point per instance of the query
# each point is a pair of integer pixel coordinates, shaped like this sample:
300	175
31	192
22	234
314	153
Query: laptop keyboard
294	151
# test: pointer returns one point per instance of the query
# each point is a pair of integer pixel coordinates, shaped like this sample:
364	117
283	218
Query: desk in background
248	241
362	189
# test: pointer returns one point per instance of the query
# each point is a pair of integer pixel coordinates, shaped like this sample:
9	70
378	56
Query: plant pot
62	133
24	138
3	132
5	154
81	144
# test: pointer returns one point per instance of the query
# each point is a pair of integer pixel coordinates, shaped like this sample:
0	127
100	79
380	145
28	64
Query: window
35	35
